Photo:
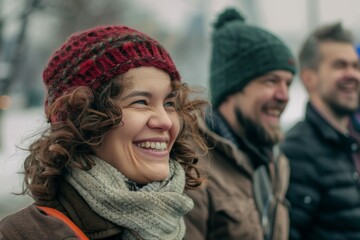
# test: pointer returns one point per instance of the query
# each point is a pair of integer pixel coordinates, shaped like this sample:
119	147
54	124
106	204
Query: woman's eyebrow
136	94
171	95
145	94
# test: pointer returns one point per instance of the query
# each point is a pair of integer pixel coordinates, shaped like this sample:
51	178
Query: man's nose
282	92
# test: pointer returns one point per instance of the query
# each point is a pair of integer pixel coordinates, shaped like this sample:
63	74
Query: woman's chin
155	177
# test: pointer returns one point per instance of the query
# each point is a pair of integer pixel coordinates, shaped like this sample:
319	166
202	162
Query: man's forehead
335	50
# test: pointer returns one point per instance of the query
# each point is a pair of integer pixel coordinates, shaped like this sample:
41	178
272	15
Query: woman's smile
140	147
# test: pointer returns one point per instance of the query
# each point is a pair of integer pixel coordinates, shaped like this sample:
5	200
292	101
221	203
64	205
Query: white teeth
153	145
163	145
274	112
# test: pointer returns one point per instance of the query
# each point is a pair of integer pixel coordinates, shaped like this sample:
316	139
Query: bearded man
324	154
251	71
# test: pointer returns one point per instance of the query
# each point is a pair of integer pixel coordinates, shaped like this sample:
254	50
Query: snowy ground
15	129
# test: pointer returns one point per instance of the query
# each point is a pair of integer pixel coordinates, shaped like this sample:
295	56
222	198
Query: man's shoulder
218	146
31	223
218	164
302	134
301	141
301	129
223	154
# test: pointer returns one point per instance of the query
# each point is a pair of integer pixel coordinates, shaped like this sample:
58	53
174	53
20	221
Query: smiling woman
152	126
120	149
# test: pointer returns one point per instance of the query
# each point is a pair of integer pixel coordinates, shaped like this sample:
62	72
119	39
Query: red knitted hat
95	56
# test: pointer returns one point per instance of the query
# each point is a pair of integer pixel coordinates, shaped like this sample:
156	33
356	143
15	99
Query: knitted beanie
95	56
241	53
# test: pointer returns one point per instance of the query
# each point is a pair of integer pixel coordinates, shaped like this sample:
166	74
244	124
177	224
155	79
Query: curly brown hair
78	122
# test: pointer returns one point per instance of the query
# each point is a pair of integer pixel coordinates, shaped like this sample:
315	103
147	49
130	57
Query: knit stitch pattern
155	211
241	53
95	56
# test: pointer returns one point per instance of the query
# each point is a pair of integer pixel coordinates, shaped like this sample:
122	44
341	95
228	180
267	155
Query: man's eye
271	81
357	66
340	65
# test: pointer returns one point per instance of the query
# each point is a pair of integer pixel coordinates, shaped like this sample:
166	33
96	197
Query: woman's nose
160	119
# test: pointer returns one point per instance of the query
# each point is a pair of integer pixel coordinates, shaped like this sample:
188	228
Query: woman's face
140	147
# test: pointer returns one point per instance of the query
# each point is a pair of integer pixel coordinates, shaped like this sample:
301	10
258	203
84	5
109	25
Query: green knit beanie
241	53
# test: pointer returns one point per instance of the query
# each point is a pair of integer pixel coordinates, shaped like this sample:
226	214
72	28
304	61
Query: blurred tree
41	26
11	53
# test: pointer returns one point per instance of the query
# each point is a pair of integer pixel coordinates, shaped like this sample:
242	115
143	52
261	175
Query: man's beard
331	99
257	134
338	109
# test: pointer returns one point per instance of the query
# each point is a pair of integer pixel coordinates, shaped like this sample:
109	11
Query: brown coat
30	223
225	208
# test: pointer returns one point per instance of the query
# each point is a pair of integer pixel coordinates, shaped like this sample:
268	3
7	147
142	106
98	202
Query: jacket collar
74	206
323	127
227	141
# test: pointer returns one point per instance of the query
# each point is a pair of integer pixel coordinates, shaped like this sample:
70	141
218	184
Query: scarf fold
154	211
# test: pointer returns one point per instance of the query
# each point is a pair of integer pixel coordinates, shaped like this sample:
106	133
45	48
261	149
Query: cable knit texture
242	52
154	211
95	56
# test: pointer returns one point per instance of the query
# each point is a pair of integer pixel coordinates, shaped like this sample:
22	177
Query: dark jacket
30	223
324	188
226	208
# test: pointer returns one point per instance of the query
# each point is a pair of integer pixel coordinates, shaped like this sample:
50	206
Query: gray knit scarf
154	211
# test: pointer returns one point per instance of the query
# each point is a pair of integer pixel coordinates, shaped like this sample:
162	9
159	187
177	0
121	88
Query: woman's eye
142	102
169	104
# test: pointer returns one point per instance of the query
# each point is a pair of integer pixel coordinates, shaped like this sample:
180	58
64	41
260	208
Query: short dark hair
309	55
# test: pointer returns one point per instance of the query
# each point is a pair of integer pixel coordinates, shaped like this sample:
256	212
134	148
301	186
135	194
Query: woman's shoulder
31	223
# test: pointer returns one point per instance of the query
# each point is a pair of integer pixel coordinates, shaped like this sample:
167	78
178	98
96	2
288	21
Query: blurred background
30	30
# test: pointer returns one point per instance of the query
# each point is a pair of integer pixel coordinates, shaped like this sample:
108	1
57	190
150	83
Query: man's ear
308	77
226	109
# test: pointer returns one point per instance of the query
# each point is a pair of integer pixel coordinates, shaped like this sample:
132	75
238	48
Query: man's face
337	78
259	105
